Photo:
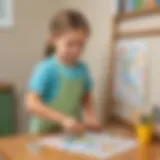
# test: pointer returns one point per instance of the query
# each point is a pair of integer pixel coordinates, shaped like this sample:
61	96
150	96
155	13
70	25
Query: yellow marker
144	132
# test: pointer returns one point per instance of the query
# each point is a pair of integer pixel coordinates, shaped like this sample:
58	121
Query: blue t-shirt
45	79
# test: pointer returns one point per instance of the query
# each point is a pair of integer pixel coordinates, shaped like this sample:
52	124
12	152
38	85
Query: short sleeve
39	78
88	85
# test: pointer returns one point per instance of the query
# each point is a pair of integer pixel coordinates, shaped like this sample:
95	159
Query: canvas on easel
130	77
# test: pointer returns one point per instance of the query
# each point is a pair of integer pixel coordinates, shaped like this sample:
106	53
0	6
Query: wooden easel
116	35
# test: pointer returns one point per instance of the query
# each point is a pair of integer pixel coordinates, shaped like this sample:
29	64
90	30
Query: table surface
15	148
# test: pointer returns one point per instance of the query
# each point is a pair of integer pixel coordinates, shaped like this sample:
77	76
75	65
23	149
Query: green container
7	107
139	5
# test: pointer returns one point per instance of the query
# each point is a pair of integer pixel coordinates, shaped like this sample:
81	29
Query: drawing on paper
131	70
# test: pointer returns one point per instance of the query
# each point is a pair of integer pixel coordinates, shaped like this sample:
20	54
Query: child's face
69	45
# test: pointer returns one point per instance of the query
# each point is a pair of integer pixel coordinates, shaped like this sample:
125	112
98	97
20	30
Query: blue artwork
130	75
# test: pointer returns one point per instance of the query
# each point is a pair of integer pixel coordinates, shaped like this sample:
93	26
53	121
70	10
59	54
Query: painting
6	13
131	73
99	145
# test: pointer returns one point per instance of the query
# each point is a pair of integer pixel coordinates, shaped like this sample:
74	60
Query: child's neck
66	61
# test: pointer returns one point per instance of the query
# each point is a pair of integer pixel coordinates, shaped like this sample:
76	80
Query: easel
116	35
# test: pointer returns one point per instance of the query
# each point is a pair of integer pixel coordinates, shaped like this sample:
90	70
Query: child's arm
37	107
88	104
89	117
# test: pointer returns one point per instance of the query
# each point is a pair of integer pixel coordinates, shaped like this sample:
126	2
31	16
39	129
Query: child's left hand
92	124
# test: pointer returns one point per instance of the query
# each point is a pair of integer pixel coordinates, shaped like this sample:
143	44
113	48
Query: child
60	87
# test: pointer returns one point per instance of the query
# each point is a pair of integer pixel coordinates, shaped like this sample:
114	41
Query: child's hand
92	124
73	126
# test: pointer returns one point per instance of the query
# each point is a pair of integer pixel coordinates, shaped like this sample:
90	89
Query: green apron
68	101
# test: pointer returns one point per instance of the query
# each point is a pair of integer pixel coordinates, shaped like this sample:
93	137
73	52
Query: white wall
21	46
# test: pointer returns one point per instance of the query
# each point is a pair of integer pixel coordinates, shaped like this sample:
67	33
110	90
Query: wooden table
14	148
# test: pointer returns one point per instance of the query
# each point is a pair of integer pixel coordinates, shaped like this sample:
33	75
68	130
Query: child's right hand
73	126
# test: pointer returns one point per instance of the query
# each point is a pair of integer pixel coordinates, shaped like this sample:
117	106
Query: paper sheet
101	145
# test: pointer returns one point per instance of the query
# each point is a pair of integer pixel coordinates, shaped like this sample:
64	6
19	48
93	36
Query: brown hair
65	20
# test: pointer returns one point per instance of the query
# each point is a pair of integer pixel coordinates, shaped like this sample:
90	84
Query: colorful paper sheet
101	145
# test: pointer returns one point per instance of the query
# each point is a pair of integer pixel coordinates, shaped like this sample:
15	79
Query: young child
60	87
